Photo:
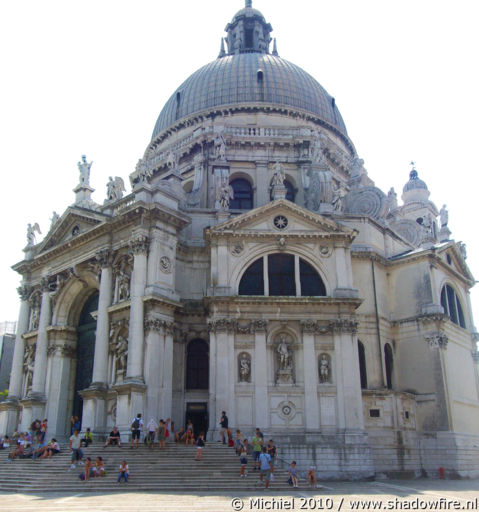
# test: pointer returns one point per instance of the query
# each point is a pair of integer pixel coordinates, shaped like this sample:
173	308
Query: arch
243	194
388	365
283	276
85	350
363	375
452	305
197	364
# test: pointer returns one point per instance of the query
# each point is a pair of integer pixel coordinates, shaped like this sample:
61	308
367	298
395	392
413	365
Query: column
40	368
154	345
16	377
100	362
167	371
139	247
311	405
261	403
348	382
213	422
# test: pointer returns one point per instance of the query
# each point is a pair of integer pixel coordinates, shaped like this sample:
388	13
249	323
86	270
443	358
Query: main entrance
197	412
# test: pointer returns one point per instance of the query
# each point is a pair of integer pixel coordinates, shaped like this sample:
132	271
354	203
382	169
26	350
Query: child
99	469
312	480
230	438
293	473
199	446
244	458
124	473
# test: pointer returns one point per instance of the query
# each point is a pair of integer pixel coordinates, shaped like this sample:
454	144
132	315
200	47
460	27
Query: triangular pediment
281	217
74	222
453	256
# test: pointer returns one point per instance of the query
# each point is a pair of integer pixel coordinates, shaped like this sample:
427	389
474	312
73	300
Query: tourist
265	467
239	442
150	430
200	444
293	473
5	443
43	429
224	426
312	480
161	434
244	458
75	449
271	449
17	452
124	472
136	426
180	435
87	438
257	442
51	449
190	435
39	448
114	438
99	469
87	470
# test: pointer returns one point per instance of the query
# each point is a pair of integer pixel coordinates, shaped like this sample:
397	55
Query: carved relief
139	244
367	201
437	339
244	367
24	292
35	302
119	349
237	248
165	265
325	368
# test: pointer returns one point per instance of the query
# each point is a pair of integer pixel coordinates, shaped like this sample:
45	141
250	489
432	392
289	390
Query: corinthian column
15	387
40	368
139	248
100	362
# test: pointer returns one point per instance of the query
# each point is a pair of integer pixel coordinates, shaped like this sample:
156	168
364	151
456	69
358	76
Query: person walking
265	467
224	426
136	427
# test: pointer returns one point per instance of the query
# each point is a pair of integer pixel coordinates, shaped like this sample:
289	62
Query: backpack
136	424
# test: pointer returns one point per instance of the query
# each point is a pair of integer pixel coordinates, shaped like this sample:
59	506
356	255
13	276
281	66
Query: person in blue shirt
265	467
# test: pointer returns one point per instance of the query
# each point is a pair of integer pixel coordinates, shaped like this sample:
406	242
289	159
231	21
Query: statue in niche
278	176
121	354
28	366
317	155
31	239
244	368
285	362
220	147
123	280
324	368
84	168
35	316
172	162
444	216
224	194
115	188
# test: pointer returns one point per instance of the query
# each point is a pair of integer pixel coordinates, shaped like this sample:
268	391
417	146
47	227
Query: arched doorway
85	352
197	380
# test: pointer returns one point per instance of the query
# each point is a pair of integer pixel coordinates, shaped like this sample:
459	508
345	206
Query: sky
90	77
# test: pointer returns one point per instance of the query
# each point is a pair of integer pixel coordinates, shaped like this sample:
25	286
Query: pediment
456	259
74	222
269	220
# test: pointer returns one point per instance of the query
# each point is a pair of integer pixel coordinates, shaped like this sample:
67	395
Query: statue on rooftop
84	168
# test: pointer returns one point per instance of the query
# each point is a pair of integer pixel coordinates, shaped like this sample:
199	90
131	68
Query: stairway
172	469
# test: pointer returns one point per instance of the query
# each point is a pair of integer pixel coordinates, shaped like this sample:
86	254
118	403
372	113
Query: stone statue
172	162
121	352
444	216
278	176
223	195
144	171
84	168
326	194
220	147
28	366
115	188
317	155
462	248
324	368
54	219
356	167
123	281
244	368
31	239
392	199
285	362
338	196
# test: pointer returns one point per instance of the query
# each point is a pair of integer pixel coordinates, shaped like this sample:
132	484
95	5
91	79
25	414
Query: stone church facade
255	268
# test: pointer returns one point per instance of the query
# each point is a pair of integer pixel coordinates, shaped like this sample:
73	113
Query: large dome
237	79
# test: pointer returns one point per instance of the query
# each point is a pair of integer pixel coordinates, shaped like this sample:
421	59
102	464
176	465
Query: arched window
388	360
197	365
243	195
362	366
452	306
290	192
285	274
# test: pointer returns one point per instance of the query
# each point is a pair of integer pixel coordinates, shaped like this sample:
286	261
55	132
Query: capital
104	257
139	245
24	291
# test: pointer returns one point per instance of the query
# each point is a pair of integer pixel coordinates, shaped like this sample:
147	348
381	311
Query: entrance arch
85	352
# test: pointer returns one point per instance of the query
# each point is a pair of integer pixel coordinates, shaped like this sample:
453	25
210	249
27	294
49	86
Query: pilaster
260	374
311	405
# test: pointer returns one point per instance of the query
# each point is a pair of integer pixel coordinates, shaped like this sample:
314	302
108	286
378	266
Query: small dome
414	182
415	189
247	12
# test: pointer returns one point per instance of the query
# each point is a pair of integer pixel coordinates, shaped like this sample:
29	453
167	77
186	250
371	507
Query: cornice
280	300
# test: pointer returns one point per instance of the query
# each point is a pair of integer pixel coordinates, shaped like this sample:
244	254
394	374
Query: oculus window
282	274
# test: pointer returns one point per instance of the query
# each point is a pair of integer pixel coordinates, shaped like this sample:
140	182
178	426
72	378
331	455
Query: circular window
280	222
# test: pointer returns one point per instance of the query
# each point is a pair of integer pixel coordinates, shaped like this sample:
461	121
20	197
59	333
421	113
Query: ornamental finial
248	3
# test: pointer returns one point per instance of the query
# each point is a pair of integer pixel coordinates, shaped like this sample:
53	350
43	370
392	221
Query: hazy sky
90	77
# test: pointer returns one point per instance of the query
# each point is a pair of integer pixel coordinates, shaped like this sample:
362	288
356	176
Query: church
255	268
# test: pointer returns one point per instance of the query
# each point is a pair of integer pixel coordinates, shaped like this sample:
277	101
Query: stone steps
172	469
